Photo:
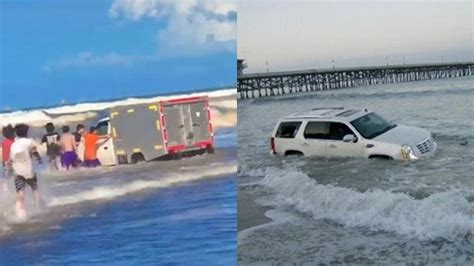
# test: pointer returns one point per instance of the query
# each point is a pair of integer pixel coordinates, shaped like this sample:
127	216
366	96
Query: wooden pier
281	83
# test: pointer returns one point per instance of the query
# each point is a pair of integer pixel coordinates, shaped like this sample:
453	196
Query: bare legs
38	199
20	202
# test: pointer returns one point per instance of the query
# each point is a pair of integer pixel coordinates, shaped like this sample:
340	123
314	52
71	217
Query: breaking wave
38	118
82	111
446	215
111	192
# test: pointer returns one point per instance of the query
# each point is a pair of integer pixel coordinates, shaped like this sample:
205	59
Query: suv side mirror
349	138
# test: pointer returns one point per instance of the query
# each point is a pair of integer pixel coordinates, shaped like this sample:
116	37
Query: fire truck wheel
137	157
210	149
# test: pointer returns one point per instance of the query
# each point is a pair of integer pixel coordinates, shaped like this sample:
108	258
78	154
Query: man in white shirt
21	152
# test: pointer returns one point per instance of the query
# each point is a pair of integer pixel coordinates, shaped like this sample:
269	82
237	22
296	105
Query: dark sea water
360	211
176	212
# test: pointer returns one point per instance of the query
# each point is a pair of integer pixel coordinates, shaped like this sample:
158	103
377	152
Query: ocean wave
111	192
446	215
83	111
38	118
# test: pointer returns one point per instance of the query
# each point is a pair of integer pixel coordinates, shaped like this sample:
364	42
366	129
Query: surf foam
82	111
111	192
445	215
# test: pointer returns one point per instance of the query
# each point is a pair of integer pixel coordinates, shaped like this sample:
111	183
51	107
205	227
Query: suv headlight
408	153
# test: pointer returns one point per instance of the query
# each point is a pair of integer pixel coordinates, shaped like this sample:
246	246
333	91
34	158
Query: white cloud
135	10
192	26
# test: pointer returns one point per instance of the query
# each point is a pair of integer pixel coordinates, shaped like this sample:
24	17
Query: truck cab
105	149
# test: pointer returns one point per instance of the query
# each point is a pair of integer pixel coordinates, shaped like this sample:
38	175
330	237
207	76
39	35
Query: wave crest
110	192
445	215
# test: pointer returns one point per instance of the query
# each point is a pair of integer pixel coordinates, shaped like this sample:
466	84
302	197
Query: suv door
314	138
337	147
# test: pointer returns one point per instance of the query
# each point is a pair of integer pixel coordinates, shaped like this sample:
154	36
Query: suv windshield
102	128
372	125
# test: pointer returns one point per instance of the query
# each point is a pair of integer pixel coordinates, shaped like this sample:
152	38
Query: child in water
68	146
8	133
51	138
21	153
78	135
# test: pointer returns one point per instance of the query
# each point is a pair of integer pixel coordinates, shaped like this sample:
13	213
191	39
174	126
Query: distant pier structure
279	83
241	65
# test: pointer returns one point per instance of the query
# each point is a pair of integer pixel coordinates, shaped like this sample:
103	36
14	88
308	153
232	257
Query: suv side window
288	130
316	130
337	131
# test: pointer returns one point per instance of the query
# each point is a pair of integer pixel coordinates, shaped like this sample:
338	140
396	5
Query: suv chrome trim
425	146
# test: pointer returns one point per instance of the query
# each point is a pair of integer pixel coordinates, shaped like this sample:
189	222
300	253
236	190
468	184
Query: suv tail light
272	143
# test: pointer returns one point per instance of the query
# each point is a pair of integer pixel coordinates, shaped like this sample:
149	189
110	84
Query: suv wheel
380	157
293	153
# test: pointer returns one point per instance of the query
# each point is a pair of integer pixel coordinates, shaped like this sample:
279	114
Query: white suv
347	132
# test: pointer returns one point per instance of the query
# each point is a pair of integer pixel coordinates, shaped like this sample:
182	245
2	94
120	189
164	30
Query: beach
222	103
355	210
125	213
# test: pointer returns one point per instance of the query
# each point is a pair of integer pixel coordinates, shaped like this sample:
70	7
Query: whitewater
83	111
346	210
98	185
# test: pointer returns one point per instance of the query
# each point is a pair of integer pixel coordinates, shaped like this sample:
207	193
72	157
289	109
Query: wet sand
250	213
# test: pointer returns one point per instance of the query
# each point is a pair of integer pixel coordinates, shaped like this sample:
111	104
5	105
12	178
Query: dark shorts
91	163
21	182
68	159
52	158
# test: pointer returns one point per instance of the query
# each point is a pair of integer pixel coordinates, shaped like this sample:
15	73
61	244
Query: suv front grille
425	146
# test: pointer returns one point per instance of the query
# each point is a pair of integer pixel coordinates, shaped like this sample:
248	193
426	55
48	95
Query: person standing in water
8	133
21	153
68	146
91	139
53	150
80	130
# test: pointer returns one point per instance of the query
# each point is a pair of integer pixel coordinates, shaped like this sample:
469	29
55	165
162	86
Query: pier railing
280	83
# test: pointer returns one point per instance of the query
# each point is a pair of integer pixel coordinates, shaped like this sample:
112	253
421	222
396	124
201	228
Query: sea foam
445	215
111	192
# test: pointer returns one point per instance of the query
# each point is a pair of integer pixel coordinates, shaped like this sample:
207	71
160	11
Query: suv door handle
305	144
332	146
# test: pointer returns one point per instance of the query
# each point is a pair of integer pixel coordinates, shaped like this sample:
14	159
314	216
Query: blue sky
55	52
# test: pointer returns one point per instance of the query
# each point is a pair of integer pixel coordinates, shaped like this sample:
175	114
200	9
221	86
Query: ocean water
172	212
361	211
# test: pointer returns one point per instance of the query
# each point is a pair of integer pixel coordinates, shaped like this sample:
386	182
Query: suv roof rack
325	112
326	108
